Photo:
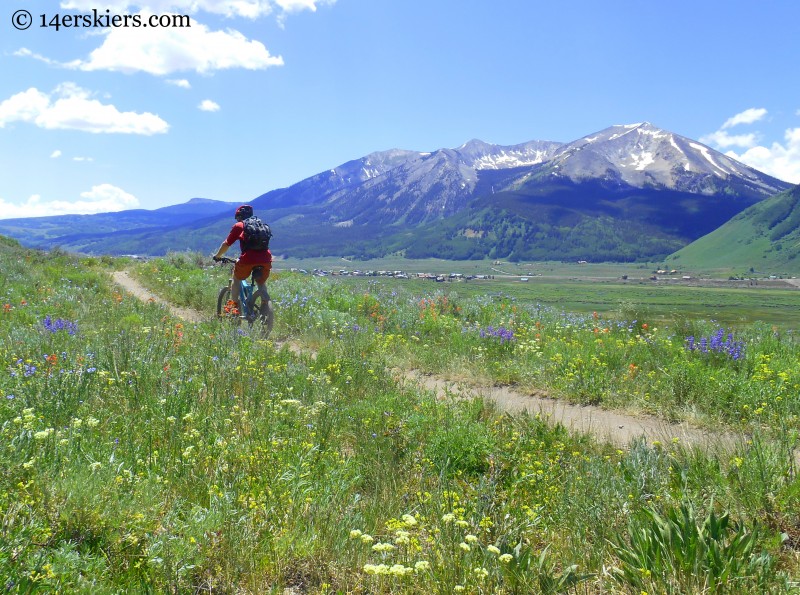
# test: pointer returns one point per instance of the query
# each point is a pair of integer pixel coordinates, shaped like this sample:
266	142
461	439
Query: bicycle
256	305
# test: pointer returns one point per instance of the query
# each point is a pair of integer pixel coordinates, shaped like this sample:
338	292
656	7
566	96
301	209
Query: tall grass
142	453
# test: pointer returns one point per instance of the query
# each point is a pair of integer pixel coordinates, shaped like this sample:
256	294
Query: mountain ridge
638	181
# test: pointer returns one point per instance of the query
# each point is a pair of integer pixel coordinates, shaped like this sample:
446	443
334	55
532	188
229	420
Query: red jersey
248	256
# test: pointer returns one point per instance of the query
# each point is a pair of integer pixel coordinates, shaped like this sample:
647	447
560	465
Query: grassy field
473	267
589	270
144	454
666	302
600	288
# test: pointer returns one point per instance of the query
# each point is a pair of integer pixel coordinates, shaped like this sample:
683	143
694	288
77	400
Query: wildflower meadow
145	453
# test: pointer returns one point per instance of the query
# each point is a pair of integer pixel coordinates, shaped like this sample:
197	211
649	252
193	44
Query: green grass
764	237
146	454
732	306
471	267
607	271
599	287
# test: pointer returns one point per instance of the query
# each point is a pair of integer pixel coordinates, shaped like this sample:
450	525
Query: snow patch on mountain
370	173
654	132
626	129
704	151
641	161
675	145
505	160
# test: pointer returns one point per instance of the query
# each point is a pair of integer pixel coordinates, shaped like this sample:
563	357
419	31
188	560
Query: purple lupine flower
503	334
718	342
59	325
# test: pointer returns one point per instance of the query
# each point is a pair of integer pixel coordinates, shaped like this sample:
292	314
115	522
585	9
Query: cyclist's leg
261	279
266	313
236	290
241	271
262	290
265	306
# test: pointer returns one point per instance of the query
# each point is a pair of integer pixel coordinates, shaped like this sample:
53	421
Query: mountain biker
249	259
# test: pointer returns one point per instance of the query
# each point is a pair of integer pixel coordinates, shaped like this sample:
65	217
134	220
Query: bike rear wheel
262	313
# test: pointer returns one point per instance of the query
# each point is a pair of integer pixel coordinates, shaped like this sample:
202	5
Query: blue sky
259	94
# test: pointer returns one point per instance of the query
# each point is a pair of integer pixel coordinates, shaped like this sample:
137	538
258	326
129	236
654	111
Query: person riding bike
250	258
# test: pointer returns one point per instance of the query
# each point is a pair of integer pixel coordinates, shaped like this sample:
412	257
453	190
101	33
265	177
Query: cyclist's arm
236	234
223	248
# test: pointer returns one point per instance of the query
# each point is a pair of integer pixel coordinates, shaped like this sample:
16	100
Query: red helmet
244	212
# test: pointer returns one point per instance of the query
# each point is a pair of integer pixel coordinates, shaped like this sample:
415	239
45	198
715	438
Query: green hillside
765	238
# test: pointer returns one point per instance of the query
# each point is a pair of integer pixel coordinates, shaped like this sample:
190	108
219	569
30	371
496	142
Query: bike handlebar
224	259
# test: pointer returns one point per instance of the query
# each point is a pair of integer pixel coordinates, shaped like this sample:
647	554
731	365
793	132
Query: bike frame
245	293
249	290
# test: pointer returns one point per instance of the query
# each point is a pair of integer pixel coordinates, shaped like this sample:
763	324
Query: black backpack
256	234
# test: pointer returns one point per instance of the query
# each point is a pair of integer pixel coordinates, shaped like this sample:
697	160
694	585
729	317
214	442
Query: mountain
404	186
107	233
762	238
642	155
624	193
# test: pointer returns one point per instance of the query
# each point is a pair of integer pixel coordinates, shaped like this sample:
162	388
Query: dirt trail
613	427
610	426
129	284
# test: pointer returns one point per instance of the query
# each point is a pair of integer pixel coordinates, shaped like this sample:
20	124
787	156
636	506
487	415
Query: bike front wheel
225	307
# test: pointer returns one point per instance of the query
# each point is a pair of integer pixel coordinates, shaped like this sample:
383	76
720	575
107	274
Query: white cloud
208	106
298	5
748	116
24	107
70	107
722	139
781	160
182	83
26	53
110	197
57	153
230	8
103	198
160	51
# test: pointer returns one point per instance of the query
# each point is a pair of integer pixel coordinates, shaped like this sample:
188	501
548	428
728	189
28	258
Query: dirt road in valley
610	426
793	282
